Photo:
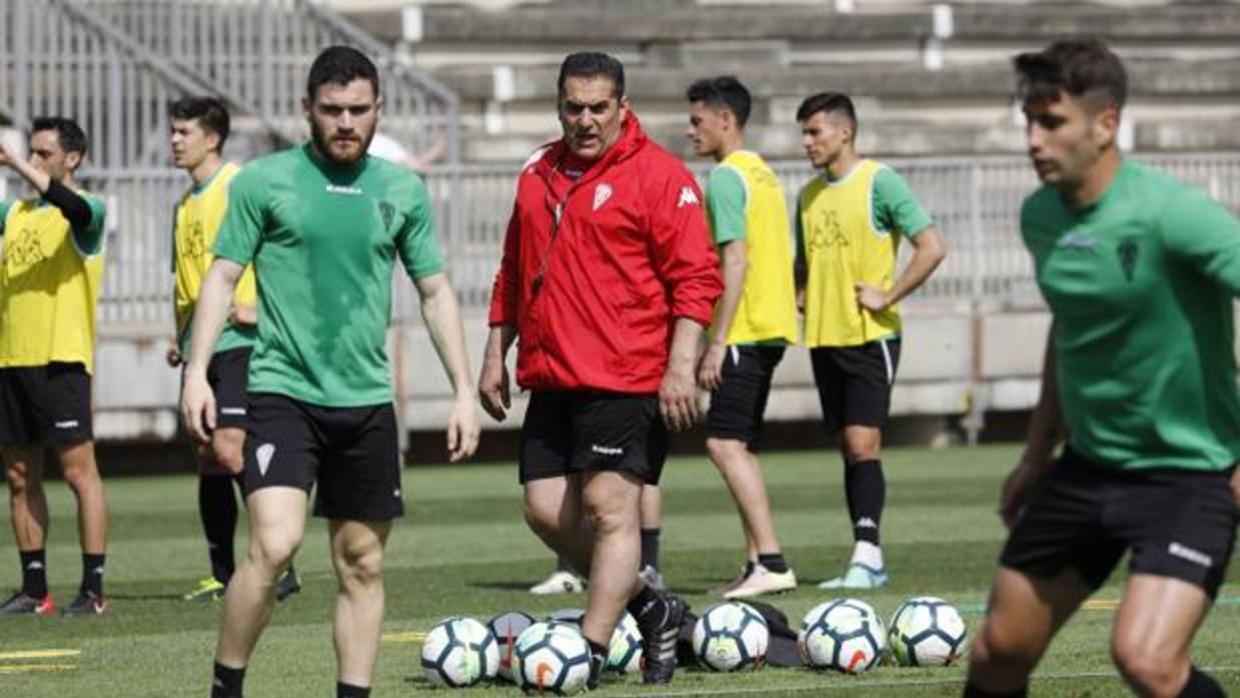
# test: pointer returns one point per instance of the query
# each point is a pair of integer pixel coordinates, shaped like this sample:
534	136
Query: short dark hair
341	65
71	136
209	112
829	103
724	92
1083	68
591	64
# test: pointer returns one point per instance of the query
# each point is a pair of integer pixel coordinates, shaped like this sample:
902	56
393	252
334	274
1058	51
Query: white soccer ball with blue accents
844	635
624	650
507	627
927	631
731	636
459	652
552	657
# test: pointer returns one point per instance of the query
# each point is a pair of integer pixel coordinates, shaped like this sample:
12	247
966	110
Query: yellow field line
38	654
413	636
27	668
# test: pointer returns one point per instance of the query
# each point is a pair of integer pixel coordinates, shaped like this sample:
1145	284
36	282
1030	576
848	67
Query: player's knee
273	550
606	517
541	519
1147	670
227	454
723	450
361	568
997	648
80	475
19	480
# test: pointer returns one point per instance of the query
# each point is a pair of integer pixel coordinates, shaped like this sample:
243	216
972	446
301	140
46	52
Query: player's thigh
1024	612
227	446
546	437
869	372
277	522
738	405
619	433
59	403
1179	523
283	445
228	375
829	381
359	478
1157	618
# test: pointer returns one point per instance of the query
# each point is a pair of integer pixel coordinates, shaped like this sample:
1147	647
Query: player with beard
323	224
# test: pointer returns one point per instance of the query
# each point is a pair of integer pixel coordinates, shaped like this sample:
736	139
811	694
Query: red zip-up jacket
594	298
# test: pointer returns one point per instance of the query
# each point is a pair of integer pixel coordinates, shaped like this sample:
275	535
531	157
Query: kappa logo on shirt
1077	240
688	197
601	194
264	454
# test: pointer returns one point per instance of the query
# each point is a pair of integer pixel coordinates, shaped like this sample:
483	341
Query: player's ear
1106	126
624	105
72	160
378	106
307	107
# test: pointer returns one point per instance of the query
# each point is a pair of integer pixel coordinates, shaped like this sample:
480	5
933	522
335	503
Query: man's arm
929	251
210	313
85	221
735	264
1044	433
897	210
678	403
493	388
442	316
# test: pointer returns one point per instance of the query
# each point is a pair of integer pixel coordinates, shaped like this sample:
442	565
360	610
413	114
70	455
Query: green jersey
323	241
1140	285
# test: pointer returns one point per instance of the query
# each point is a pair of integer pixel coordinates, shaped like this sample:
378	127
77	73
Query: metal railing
255	53
975	202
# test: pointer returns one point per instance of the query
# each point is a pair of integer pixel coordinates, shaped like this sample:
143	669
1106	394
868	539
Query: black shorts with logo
572	432
736	408
228	372
45	404
350	452
854	383
1178	523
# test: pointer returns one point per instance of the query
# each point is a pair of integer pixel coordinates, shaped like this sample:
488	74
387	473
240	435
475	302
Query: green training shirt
323	242
1140	284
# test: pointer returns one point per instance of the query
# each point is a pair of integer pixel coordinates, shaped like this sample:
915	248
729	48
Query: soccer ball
842	634
459	652
506	627
927	631
624	650
731	636
551	657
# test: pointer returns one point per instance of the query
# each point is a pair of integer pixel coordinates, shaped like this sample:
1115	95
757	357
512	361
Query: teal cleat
858	576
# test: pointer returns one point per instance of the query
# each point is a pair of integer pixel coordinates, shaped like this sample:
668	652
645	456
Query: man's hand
1017	489
7	157
871	298
710	368
678	398
801	301
493	387
173	356
463	427
198	405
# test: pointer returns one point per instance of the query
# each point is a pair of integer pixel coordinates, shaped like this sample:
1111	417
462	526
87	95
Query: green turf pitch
463	549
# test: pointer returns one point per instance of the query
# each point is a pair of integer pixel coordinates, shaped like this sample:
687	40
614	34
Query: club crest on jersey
688	197
1128	251
601	194
388	211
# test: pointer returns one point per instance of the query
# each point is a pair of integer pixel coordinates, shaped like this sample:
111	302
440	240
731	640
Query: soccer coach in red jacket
608	278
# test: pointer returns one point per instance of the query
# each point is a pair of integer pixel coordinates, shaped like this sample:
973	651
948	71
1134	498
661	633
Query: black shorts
854	383
1177	523
351	452
45	404
736	408
228	374
571	432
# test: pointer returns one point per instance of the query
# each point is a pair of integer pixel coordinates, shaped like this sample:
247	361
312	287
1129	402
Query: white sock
867	554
